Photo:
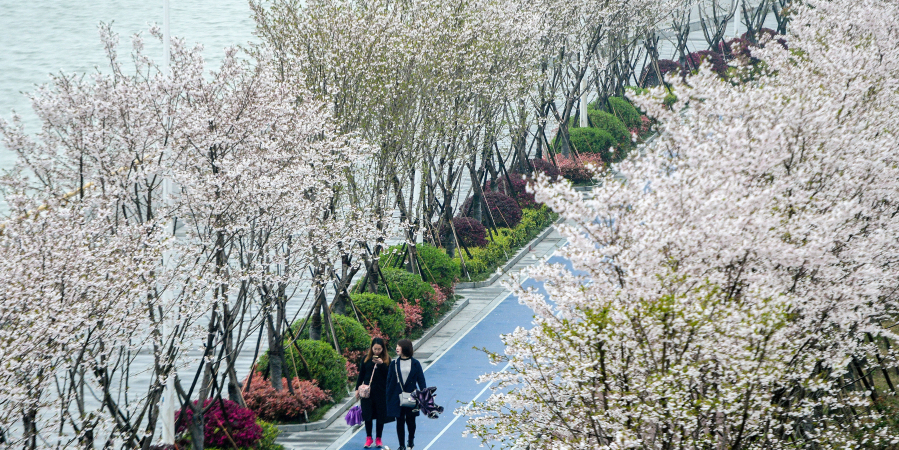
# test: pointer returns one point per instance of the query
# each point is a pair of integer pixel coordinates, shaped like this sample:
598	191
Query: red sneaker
368	442
378	443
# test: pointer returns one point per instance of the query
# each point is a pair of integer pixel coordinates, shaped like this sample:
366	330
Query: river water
52	36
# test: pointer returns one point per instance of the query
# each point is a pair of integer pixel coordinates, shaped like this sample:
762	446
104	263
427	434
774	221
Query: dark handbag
406	398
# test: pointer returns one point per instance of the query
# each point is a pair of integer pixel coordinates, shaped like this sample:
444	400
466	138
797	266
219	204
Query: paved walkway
450	363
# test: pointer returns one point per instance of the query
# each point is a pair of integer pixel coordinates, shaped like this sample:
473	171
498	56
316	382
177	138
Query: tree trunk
275	353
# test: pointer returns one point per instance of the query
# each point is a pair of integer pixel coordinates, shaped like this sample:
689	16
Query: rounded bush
409	286
547	168
351	335
437	266
382	312
518	189
224	421
624	111
325	365
719	66
469	231
505	211
593	140
610	124
649	77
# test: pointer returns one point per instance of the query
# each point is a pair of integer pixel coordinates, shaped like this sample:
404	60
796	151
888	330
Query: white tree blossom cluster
87	303
739	289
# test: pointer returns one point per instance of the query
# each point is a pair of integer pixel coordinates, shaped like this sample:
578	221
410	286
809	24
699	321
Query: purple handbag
354	416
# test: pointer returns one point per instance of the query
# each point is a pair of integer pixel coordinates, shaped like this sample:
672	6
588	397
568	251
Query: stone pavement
481	301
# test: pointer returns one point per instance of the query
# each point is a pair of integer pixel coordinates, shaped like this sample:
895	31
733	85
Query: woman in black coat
407	369
373	372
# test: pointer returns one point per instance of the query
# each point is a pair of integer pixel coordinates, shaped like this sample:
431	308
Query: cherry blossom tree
738	290
259	171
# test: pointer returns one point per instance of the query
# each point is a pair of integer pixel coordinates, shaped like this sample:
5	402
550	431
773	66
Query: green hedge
625	111
382	312
437	266
592	140
351	335
484	261
326	365
403	284
611	124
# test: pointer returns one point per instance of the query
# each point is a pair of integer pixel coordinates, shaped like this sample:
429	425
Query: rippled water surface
41	37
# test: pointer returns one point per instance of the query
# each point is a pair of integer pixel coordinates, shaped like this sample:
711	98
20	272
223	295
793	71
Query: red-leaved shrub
283	406
518	189
575	169
353	357
440	296
547	168
642	130
413	314
225	424
715	60
375	332
469	231
506	213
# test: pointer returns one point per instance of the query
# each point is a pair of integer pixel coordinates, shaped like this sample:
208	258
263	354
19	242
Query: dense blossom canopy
729	294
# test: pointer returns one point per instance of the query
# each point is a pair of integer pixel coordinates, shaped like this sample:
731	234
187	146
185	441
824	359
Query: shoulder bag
406	398
365	389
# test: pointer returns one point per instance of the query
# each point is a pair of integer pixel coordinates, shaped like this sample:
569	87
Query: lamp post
169	397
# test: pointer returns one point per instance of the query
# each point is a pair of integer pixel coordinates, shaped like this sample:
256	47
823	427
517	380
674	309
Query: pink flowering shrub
412	313
281	405
225	422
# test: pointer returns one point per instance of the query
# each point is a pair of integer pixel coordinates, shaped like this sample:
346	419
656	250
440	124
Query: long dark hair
385	357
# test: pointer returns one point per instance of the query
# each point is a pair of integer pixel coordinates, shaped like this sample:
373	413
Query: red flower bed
270	404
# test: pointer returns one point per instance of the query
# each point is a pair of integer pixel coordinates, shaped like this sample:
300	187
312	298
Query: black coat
416	380
375	406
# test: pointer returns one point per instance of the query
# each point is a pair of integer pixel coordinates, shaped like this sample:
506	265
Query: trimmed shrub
519	186
325	365
591	141
649	78
270	433
486	260
547	168
505	212
283	406
606	121
470	232
351	335
382	312
437	266
715	60
624	111
576	170
409	286
225	421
